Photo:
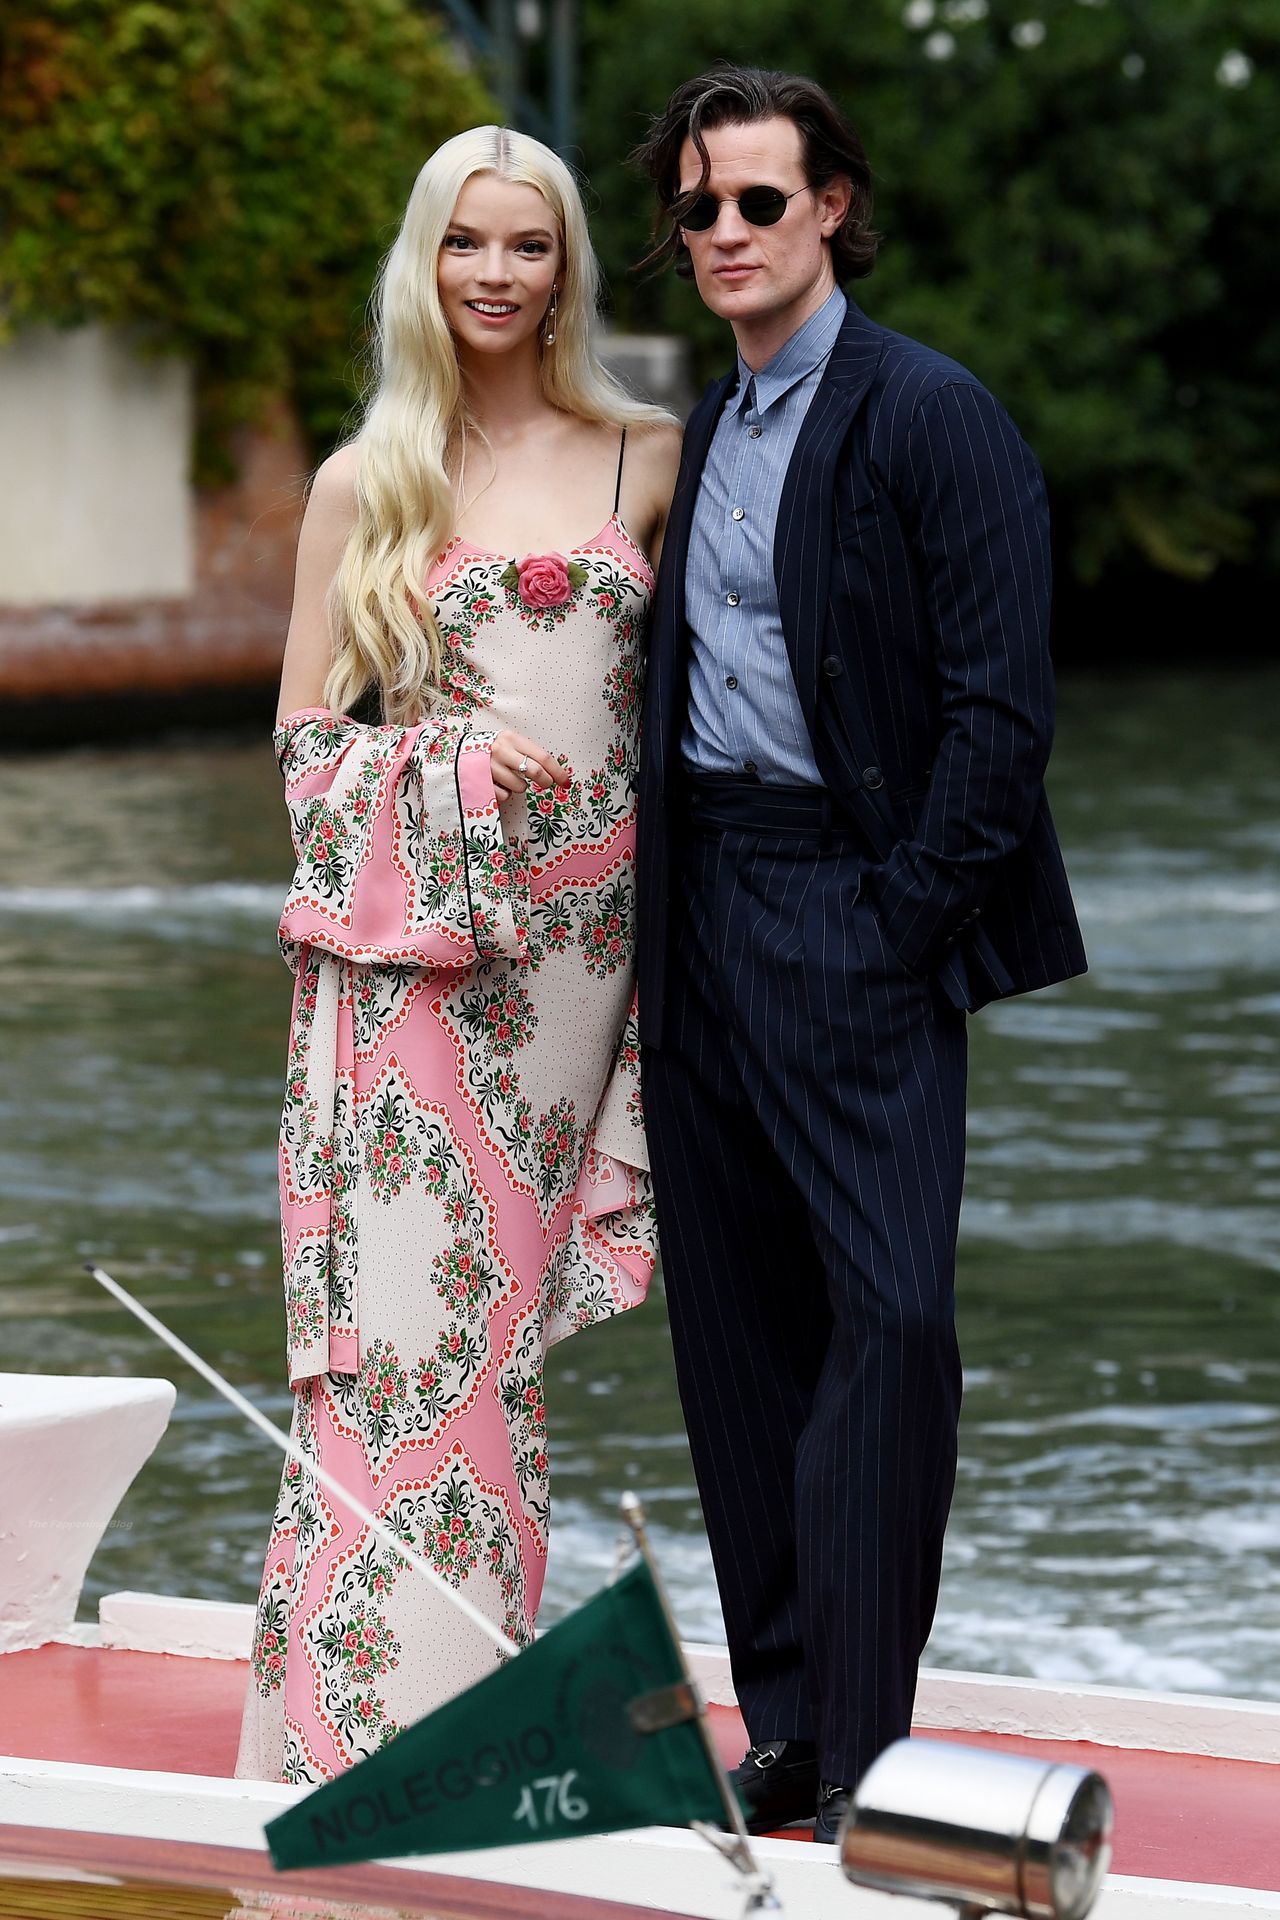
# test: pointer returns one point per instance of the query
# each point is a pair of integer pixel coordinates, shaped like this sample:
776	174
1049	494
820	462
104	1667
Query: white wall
95	447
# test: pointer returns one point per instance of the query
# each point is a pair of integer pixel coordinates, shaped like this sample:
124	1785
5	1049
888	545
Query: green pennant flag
591	1729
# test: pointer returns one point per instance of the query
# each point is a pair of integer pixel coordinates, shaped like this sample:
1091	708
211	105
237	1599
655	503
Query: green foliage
1085	216
222	174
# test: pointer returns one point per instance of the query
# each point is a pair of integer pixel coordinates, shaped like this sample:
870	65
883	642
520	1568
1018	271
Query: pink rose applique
544	580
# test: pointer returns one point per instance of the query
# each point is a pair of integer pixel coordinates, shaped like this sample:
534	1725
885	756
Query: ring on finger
523	767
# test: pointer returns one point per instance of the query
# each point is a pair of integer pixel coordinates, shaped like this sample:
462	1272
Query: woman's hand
519	763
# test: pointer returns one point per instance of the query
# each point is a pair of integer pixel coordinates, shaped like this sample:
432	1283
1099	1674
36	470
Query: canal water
1117	1516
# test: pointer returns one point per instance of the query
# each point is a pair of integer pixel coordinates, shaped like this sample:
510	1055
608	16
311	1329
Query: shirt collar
807	348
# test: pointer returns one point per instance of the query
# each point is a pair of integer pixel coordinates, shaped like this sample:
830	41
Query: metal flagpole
379	1529
505	58
563	48
736	1844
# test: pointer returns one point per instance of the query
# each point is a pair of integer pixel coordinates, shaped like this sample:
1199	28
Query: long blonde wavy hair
384	632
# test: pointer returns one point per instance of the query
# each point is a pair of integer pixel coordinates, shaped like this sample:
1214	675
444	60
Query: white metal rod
379	1529
738	1849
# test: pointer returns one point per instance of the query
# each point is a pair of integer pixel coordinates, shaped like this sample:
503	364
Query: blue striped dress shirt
744	713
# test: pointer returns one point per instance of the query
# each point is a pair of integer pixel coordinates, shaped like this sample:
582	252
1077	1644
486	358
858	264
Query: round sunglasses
759	207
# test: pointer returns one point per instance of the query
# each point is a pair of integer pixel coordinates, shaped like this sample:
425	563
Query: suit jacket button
833	666
872	777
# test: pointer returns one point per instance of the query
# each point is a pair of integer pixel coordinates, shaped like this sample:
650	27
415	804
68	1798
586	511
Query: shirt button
731	680
754	432
732	599
748	766
737	513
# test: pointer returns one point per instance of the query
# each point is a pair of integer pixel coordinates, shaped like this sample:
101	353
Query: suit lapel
802	543
699	428
667	658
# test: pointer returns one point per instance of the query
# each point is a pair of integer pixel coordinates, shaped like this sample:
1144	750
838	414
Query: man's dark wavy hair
730	95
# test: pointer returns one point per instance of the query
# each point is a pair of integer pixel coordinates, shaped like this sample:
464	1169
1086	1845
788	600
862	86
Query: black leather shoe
778	1780
833	1804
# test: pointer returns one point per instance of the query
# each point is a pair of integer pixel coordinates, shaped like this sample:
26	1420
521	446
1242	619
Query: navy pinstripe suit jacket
912	563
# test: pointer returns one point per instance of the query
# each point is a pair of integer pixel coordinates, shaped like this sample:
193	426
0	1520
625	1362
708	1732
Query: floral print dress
463	1174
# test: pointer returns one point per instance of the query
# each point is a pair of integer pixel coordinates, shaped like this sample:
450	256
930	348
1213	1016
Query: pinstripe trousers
806	1122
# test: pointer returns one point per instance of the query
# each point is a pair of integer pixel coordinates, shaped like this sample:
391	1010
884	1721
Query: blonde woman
463	1173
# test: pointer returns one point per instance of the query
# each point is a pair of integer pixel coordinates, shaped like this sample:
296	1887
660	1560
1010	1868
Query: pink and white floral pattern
463	1173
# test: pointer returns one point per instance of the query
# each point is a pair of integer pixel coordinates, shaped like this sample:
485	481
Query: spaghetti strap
617	491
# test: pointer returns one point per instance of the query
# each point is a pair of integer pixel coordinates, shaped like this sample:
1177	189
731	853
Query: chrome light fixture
987	1832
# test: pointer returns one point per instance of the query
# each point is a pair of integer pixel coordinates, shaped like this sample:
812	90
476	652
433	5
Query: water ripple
154	907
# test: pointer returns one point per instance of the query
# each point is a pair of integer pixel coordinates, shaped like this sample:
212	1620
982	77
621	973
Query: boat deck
1180	1817
138	1879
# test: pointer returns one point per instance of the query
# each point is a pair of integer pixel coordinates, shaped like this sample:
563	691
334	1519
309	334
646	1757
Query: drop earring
549	336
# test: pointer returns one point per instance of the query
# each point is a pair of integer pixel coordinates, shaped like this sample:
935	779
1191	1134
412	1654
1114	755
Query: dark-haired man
844	848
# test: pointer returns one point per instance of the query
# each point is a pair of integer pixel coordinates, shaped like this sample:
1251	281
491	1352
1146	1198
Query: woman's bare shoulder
657	454
333	486
326	528
658	461
658	442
